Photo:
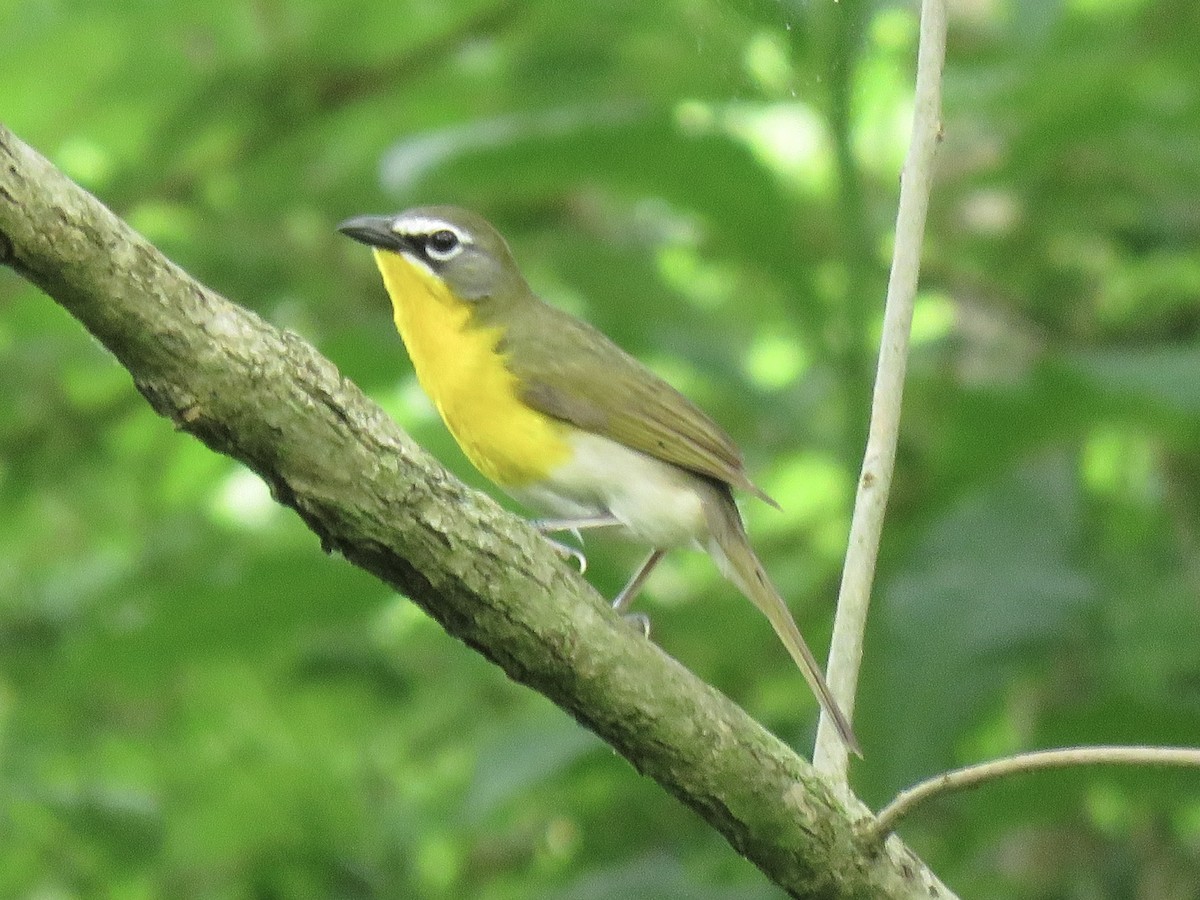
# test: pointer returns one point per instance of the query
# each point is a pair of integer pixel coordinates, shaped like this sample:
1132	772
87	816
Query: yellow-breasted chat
562	419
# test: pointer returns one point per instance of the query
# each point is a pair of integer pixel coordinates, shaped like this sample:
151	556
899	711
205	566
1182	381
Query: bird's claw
639	622
566	551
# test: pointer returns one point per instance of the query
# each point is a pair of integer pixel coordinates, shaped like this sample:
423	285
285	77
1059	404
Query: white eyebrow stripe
419	226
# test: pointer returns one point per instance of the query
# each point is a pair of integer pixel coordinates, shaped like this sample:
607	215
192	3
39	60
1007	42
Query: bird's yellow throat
460	368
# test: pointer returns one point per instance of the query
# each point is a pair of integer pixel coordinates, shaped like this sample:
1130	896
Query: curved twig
972	776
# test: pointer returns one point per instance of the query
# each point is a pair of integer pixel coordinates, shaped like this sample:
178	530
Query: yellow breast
459	368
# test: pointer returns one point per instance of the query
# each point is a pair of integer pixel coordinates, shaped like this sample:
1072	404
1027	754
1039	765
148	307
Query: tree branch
267	398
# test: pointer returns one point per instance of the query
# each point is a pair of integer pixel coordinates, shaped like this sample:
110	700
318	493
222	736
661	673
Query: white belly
657	503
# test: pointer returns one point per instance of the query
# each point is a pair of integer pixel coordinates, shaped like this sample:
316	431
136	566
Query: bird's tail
731	549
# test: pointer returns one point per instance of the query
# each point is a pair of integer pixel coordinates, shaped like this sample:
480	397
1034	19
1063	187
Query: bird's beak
374	231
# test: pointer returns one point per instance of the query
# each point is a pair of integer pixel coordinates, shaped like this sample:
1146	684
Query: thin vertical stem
830	756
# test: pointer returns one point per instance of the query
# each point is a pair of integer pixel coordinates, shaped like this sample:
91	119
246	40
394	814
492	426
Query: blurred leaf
657	876
1160	376
991	584
535	747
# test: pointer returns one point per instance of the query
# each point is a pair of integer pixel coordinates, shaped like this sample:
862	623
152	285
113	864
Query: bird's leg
630	591
640	621
549	526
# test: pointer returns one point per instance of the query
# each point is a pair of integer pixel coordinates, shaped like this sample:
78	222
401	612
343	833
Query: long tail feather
737	560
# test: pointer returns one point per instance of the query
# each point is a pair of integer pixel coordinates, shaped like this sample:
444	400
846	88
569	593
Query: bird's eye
442	244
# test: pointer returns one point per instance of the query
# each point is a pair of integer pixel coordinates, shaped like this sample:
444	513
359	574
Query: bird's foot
566	551
575	527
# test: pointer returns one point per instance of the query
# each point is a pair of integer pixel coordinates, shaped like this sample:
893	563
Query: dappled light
196	701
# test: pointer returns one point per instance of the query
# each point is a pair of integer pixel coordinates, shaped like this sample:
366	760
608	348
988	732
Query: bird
563	420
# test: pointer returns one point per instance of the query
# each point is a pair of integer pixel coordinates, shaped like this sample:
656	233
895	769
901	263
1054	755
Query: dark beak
374	231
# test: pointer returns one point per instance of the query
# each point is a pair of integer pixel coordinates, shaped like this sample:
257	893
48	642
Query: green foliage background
195	702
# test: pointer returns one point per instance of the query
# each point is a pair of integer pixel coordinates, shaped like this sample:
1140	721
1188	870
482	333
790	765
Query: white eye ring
442	245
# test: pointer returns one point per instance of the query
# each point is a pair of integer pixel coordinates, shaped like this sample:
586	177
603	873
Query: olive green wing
569	370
